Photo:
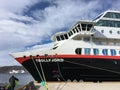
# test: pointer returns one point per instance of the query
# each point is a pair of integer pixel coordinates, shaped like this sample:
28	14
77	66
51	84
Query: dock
81	86
75	86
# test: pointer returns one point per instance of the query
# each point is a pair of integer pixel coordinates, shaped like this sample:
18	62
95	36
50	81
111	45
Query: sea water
23	78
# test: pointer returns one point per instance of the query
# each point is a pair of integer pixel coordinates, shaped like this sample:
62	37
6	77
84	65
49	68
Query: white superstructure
98	37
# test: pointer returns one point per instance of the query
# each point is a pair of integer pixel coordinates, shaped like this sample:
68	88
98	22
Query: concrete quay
80	86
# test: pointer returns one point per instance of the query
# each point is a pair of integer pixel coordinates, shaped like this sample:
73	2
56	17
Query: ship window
113	52
58	38
118	32
62	37
37	55
89	27
108	23
66	36
24	56
105	52
119	52
108	15
74	31
83	27
95	51
110	31
112	15
78	51
102	31
87	51
69	34
100	23
78	27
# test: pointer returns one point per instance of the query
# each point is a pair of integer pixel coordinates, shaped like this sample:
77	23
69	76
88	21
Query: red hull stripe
22	59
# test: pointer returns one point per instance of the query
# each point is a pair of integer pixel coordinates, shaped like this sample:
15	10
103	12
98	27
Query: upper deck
105	26
81	28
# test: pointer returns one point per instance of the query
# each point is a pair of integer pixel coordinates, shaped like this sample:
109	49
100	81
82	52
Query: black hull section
74	69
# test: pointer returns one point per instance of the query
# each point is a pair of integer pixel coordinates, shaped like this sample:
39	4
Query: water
23	78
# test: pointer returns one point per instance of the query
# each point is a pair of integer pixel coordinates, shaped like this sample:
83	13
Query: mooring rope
94	67
60	71
46	86
37	69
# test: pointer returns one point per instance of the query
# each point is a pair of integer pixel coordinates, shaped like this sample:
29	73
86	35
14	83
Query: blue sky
30	23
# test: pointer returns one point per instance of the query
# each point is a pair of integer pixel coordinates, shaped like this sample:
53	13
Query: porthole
78	51
118	32
110	31
102	31
24	56
119	52
95	51
37	55
113	52
31	56
87	51
105	52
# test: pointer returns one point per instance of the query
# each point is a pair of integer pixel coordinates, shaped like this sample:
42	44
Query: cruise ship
88	51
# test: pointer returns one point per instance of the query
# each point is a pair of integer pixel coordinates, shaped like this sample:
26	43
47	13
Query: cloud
16	6
23	23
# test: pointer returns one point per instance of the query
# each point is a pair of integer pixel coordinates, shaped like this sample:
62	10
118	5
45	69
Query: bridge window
79	27
74	31
58	38
62	37
87	51
113	52
105	51
69	34
83	27
95	51
89	26
66	36
78	51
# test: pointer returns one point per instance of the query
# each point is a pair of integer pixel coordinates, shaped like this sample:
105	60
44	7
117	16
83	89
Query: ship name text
50	60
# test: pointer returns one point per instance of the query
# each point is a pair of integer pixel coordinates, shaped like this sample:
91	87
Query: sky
27	24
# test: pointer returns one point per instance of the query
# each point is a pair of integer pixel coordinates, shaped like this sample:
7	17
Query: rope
58	66
94	67
46	86
37	68
39	72
60	86
60	71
